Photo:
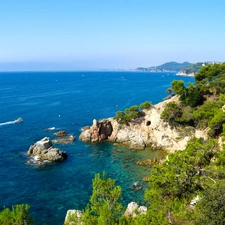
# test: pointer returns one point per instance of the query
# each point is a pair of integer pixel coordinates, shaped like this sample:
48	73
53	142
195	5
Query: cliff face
150	130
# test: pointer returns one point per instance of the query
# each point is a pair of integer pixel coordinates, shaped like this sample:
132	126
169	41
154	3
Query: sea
52	101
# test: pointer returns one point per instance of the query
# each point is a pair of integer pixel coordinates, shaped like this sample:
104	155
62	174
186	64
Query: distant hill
167	67
191	70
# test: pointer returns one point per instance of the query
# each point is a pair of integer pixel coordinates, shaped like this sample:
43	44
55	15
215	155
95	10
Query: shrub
145	105
17	215
171	113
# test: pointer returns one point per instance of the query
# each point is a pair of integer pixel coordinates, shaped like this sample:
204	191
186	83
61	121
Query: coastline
185	74
149	131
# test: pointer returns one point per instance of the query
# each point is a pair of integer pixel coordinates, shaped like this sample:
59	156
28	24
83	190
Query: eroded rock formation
149	131
44	151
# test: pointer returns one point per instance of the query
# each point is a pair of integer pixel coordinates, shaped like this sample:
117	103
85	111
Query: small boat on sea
18	120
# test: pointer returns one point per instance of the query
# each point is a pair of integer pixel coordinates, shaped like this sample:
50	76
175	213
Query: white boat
18	120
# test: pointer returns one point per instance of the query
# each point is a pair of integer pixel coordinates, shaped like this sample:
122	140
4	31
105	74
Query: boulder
64	140
133	210
44	151
61	133
73	217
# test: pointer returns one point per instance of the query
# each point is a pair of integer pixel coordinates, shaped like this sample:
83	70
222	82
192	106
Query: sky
109	34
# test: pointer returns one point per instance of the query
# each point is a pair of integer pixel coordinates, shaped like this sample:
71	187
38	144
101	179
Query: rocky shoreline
182	73
150	130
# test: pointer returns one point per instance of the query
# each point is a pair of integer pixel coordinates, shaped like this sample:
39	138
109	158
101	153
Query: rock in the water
133	210
43	151
73	217
64	140
61	133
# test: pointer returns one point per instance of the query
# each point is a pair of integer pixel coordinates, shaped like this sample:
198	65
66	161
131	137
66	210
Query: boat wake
12	122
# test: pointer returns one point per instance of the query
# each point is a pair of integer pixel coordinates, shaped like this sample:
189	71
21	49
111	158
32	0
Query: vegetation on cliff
188	188
194	68
124	117
200	105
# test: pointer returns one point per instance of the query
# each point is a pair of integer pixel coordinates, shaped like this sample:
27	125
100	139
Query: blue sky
109	34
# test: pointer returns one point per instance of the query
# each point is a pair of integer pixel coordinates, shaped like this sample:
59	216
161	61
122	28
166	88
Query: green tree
206	112
192	96
104	207
216	123
178	87
211	209
145	105
18	215
121	117
171	113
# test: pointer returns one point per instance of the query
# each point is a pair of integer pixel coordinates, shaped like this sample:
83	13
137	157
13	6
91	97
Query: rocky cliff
150	130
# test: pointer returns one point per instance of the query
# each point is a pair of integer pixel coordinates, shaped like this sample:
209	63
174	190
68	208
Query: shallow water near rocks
69	101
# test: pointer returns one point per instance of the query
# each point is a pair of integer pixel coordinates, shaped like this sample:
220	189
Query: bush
206	112
171	113
145	105
17	215
132	113
216	123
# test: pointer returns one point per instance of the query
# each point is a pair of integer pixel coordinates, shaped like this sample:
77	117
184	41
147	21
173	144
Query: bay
69	101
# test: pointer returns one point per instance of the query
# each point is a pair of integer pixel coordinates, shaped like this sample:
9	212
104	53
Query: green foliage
132	113
17	215
211	209
179	175
176	182
173	66
206	112
104	207
221	158
178	87
121	117
192	96
145	105
216	123
171	113
211	78
222	96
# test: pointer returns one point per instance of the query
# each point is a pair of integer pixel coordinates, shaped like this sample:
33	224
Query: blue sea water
69	101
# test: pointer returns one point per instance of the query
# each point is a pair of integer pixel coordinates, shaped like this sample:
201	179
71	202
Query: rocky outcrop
73	217
98	132
44	151
183	73
61	133
151	130
133	210
64	140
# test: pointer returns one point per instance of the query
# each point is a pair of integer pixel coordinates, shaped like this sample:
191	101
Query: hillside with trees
191	70
167	67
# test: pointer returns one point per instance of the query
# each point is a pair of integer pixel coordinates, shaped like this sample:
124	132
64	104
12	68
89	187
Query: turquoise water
70	101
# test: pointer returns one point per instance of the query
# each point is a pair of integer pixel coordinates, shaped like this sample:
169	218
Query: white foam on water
7	123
